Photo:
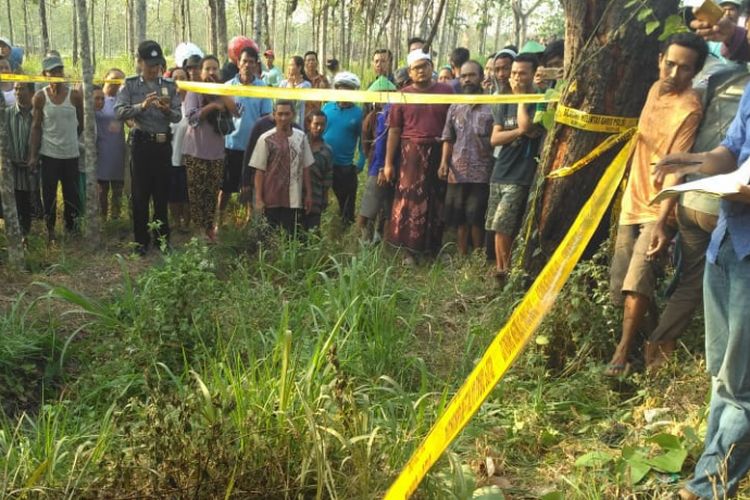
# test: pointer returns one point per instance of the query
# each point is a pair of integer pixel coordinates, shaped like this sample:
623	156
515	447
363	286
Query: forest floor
261	367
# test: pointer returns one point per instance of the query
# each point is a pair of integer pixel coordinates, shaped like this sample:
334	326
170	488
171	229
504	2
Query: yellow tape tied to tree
511	339
591	122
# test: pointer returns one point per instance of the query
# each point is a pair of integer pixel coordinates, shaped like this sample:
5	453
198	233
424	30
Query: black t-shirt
229	71
516	162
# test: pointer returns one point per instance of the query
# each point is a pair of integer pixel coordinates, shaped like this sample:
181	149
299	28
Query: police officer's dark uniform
150	141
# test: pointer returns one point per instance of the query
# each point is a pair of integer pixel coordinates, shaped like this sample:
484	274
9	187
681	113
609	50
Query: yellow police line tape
595	153
308	94
10	77
511	339
591	122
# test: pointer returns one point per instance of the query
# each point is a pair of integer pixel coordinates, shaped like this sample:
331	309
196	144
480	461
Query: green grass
268	367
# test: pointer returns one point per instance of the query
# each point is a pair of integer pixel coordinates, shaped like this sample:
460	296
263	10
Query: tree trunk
258	22
8	194
212	39
272	31
10	21
105	26
221	29
92	30
43	25
26	39
75	33
610	64
287	15
92	225
269	40
324	32
140	22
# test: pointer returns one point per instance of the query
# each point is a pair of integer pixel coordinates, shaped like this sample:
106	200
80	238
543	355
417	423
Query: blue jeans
726	296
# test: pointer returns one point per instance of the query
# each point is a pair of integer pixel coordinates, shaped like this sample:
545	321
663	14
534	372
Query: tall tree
260	7
221	29
93	225
74	12
521	18
10	20
213	40
8	195
610	64
140	21
26	39
43	25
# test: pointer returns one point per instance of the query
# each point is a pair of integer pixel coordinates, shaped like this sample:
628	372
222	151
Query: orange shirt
668	124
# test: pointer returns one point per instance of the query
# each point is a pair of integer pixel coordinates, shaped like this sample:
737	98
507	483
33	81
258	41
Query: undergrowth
267	367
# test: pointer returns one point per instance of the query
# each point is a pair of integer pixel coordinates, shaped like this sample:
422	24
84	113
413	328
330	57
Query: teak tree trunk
140	21
221	29
610	65
92	225
43	25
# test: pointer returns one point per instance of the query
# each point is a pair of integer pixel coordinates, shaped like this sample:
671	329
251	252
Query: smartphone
708	12
550	73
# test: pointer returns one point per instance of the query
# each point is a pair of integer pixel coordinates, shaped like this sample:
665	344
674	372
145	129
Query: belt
158	138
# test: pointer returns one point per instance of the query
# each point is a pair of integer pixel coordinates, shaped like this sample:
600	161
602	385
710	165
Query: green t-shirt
515	163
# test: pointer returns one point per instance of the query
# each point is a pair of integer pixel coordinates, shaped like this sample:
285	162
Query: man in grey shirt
152	103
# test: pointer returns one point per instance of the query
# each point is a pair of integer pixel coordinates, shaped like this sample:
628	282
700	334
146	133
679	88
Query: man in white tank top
57	122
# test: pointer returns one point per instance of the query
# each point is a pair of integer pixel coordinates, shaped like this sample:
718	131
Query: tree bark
92	30
43	25
93	225
258	22
10	21
8	194
221	29
26	39
610	63
140	22
75	33
212	22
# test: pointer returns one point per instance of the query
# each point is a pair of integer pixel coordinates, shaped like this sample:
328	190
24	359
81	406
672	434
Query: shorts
376	198
178	190
505	208
466	203
232	170
631	271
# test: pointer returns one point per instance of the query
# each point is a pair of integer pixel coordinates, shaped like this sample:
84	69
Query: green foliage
29	356
635	462
672	24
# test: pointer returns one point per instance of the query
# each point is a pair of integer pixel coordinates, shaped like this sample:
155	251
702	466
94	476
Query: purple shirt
469	128
201	140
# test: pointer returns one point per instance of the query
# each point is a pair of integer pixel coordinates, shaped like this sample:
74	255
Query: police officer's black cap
150	52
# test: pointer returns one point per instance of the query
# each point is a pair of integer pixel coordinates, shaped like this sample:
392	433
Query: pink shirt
201	140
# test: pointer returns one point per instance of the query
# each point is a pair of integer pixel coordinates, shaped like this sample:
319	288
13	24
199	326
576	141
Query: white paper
716	185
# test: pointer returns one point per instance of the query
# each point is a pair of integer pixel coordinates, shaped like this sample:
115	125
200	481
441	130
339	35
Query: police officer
152	103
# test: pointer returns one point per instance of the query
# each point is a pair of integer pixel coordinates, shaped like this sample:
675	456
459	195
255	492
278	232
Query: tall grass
282	369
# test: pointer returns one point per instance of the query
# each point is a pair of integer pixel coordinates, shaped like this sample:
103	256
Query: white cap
733	2
184	51
347	79
6	41
417	55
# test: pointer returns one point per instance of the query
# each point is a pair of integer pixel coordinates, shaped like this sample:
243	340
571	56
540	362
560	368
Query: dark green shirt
516	161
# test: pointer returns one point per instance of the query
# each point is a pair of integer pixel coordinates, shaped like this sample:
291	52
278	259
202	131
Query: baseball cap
51	62
150	52
733	2
269	53
6	41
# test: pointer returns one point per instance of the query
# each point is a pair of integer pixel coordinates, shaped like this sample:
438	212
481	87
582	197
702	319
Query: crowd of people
428	166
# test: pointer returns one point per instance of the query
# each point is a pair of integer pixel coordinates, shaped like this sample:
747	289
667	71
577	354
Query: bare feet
686	494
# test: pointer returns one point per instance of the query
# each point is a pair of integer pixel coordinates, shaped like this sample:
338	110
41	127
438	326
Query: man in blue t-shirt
726	302
343	136
250	109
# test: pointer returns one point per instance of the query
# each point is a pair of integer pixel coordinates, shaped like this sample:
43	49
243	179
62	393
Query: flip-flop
616	370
